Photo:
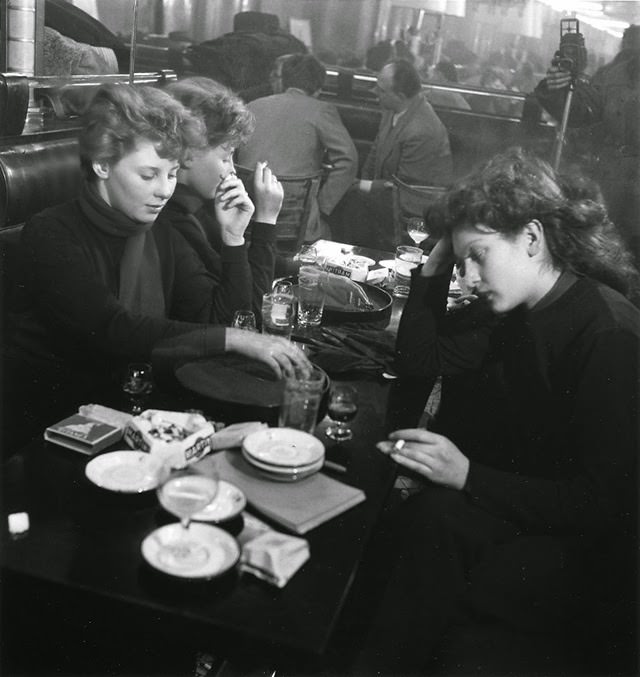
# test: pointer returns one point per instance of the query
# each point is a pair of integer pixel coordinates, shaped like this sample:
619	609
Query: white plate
129	472
228	503
391	263
283	447
216	550
283	470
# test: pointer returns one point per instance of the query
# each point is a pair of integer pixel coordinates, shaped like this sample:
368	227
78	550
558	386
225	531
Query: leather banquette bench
33	176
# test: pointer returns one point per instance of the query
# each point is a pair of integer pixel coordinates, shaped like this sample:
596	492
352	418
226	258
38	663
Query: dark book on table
83	434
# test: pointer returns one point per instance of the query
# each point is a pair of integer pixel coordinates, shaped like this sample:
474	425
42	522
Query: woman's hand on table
268	193
234	210
431	455
282	355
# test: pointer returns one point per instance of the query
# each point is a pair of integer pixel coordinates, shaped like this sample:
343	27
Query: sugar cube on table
18	522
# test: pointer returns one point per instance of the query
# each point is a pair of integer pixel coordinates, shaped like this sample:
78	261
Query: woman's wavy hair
516	187
120	116
224	115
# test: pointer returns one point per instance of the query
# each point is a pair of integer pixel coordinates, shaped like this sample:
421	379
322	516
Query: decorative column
24	48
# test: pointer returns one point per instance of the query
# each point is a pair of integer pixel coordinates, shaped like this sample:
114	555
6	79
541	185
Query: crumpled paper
270	555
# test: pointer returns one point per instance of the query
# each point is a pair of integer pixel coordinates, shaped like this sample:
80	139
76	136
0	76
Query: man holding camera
609	105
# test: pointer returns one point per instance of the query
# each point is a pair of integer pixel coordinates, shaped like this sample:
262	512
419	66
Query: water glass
311	295
244	319
301	401
407	258
308	254
278	314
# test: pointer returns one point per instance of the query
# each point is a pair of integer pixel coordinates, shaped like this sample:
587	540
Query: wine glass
244	319
138	384
343	406
184	492
417	229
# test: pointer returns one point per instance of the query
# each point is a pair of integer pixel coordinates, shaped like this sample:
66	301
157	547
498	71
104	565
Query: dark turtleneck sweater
70	311
195	219
561	432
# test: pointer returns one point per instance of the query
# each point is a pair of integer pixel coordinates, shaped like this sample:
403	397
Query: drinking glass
407	258
417	229
308	254
138	384
301	401
244	319
278	314
184	492
343	406
311	296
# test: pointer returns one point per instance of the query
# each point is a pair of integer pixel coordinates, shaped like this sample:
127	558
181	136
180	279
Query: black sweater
567	426
195	219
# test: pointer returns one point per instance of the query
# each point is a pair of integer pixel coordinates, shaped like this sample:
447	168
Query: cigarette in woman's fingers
398	445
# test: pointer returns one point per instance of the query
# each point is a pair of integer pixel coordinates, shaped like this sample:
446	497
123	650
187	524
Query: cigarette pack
84	434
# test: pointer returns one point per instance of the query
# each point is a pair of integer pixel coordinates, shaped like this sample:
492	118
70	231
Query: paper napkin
274	557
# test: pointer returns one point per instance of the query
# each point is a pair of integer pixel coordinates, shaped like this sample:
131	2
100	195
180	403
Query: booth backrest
34	176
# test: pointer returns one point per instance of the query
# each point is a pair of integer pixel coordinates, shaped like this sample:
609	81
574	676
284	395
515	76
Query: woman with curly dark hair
200	207
522	539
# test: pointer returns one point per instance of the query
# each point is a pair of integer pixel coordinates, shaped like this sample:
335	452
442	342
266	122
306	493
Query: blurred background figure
608	110
296	134
445	73
242	60
385	51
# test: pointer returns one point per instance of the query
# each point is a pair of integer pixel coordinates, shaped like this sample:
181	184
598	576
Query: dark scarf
140	289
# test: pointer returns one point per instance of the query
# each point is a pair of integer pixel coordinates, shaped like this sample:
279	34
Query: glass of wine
417	229
138	384
343	406
184	492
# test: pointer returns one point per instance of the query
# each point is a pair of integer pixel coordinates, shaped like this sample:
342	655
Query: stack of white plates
283	454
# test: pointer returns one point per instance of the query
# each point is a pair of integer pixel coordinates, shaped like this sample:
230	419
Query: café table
83	549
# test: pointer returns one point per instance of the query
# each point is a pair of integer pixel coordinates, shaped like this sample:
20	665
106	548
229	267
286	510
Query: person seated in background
385	51
297	134
445	73
412	144
519	552
199	209
103	283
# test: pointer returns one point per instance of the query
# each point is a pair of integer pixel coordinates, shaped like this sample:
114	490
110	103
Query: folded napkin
233	435
270	555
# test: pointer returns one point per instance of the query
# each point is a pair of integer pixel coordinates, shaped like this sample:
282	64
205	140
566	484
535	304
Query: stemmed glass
417	229
343	406
138	384
184	492
244	319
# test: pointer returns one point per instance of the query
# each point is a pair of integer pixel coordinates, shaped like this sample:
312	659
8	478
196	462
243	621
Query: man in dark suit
412	144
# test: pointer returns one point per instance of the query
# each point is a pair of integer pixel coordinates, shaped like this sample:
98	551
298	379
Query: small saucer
283	447
217	551
128	472
228	503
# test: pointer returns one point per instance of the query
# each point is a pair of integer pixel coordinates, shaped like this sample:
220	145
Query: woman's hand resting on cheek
234	210
268	194
431	455
283	356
